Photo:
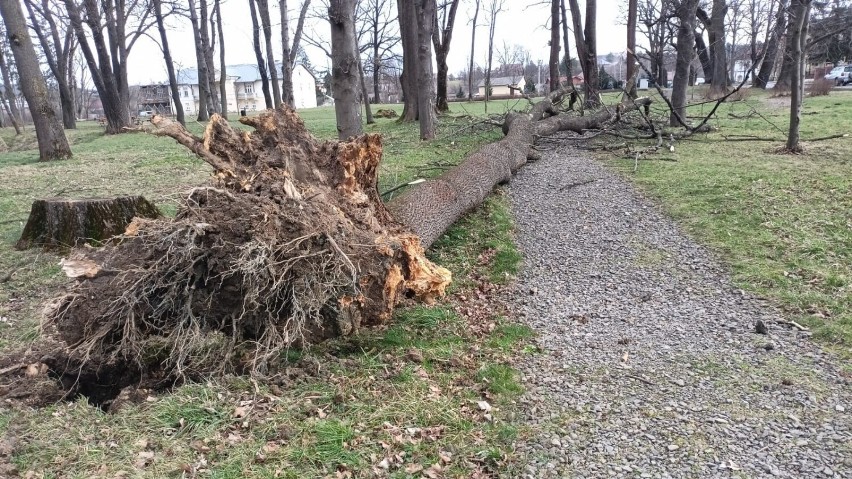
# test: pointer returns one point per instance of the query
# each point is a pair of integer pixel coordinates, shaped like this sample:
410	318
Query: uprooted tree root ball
289	246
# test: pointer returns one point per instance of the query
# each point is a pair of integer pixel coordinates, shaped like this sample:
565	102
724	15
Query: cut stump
60	222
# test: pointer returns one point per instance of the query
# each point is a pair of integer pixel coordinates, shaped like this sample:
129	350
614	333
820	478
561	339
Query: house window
185	94
254	107
249	88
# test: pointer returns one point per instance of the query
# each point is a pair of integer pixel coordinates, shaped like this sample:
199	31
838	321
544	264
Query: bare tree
632	8
685	10
208	35
170	67
554	44
586	41
799	15
382	32
124	23
771	46
10	102
345	77
223	72
290	50
258	53
263	10
654	17
201	45
492	9
52	144
472	49
57	45
442	36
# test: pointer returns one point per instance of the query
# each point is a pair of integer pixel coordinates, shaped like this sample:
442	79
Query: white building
244	88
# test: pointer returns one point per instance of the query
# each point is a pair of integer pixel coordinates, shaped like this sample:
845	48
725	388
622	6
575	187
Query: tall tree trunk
223	73
201	65
208	38
632	8
425	100
258	53
472	50
771	47
170	67
56	55
368	111
52	144
496	6
286	64
554	45
592	98
703	57
408	36
785	75
685	44
579	42
566	45
441	39
109	69
263	10
11	102
799	16
344	70
718	50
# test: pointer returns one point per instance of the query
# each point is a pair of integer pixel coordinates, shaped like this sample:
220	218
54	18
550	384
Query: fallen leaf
484	406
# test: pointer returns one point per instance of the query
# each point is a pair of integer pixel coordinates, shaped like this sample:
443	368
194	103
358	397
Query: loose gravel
648	363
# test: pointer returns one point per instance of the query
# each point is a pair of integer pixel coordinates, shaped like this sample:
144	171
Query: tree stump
60	222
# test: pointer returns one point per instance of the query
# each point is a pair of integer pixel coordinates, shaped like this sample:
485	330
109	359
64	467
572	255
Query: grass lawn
782	222
391	402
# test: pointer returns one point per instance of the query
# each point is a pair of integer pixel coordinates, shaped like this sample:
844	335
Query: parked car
841	75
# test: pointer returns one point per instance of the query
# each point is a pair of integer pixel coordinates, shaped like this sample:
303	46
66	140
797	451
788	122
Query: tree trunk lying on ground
291	245
59	222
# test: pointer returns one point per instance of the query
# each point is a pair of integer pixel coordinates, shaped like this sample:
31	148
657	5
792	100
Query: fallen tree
291	244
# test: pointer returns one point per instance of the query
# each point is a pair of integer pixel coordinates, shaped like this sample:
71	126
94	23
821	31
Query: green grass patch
780	221
481	243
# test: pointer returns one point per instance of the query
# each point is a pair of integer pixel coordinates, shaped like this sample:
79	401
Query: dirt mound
289	246
385	113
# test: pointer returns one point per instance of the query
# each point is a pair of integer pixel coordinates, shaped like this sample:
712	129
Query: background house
503	86
244	89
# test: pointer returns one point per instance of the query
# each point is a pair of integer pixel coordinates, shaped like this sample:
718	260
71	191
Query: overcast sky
518	24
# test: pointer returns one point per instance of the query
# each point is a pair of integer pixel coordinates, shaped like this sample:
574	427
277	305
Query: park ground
435	392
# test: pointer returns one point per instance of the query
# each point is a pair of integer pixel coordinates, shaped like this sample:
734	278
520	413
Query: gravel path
649	364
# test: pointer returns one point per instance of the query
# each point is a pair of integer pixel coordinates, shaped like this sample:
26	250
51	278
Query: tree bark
685	44
566	44
286	64
263	10
63	223
472	50
442	38
554	45
590	34
718	50
345	72
425	101
408	36
799	15
632	7
258	53
11	102
52	144
170	67
223	73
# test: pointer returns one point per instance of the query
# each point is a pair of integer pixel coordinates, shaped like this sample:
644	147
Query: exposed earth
649	361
